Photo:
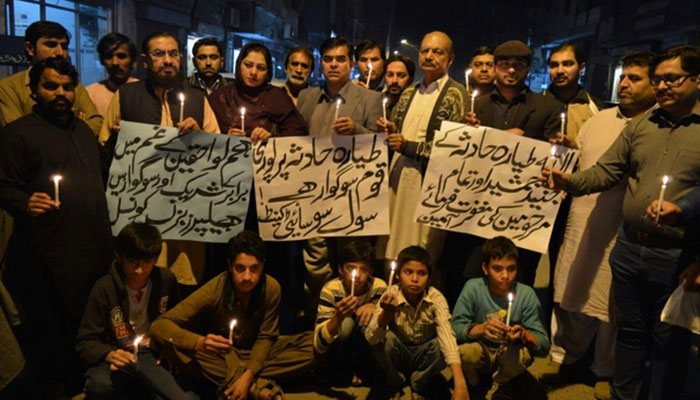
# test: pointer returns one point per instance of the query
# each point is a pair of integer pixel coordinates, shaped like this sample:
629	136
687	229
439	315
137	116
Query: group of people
77	297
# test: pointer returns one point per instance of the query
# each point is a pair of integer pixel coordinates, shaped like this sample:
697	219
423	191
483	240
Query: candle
182	106
510	307
552	161
391	274
337	108
56	180
664	182
138	340
230	329
563	124
473	98
352	282
384	101
243	119
369	74
466	78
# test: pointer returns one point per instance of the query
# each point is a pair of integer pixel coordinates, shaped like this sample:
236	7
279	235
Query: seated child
341	318
120	308
241	359
489	345
413	321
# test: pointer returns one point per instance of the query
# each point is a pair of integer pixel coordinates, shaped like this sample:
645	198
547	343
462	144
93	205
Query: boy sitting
341	318
490	345
120	309
413	321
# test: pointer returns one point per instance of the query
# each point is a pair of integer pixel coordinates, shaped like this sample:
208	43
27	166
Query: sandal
274	390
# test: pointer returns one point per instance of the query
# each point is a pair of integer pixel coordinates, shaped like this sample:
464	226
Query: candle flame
56	178
242	110
510	297
232	324
385	100
354	272
553	151
393	266
665	180
563	115
138	340
474	94
337	103
182	97
469	71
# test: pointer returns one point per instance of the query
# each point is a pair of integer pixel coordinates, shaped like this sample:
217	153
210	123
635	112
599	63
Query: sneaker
602	391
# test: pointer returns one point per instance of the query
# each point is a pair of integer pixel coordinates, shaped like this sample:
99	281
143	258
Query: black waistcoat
139	103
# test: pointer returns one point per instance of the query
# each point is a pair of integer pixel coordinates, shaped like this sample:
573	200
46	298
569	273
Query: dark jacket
105	324
139	103
538	116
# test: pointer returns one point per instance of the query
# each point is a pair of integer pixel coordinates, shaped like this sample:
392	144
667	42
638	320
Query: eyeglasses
508	64
671	80
162	53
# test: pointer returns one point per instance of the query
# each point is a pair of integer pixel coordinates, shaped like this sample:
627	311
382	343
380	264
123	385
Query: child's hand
389	302
119	359
494	329
514	334
520	335
364	314
346	307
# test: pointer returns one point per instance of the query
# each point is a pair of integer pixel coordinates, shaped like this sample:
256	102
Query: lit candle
230	329
352	282
56	180
466	78
182	106
391	274
664	182
384	101
337	108
563	124
510	308
473	98
369	74
136	345
243	119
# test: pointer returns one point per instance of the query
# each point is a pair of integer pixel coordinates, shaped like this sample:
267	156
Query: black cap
513	48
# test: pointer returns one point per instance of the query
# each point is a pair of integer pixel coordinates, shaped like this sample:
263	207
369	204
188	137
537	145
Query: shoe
602	391
504	391
554	373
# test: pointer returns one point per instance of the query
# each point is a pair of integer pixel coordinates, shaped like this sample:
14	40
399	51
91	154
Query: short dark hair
247	242
690	58
300	49
335	42
415	253
578	52
407	61
60	65
45	29
260	48
207	41
367	45
498	247
112	41
356	251
144	45
481	51
638	58
138	241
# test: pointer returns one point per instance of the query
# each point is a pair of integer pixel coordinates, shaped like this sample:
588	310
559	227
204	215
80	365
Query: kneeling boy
120	309
490	345
413	321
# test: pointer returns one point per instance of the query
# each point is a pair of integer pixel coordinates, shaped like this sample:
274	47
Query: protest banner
321	186
191	187
484	181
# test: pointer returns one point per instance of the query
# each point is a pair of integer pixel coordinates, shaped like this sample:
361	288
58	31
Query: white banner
483	181
309	187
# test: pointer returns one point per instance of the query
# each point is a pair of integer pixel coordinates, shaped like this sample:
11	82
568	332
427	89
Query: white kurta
582	277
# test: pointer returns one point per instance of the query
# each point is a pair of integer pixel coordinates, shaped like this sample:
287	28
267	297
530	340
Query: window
85	23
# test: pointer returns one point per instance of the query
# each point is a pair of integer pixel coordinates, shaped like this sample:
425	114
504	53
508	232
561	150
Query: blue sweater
476	303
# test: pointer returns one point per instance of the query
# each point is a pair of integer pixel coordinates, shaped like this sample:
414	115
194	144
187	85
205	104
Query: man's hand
559	181
235	132
563	141
386	125
81	115
259	134
39	203
364	314
119	359
691	275
114	129
238	389
517	131
670	213
214	344
396	141
344	126
471	119
187	125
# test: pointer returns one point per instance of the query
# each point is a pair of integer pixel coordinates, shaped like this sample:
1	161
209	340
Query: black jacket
105	324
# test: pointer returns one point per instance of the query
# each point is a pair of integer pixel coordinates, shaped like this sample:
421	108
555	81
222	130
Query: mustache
60	100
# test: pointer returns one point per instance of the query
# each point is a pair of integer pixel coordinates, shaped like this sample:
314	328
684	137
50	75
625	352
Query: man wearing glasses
647	257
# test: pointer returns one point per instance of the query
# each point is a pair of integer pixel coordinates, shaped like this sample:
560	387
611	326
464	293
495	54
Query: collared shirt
414	326
138	309
196	81
102	96
649	148
505	112
415	126
323	117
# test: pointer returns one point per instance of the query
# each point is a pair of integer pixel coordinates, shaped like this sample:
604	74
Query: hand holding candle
182	106
352	283
664	183
230	330
510	308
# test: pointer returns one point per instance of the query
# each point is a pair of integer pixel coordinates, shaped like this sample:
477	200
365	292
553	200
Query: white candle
243	119
510	308
337	108
182	106
466	78
56	180
552	161
230	329
352	282
391	274
384	101
664	182
369	74
563	124
473	98
136	345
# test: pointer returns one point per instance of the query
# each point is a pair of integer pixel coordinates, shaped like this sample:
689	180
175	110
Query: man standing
400	71
298	66
369	55
208	61
483	69
118	56
414	120
646	258
62	239
154	101
42	40
582	283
